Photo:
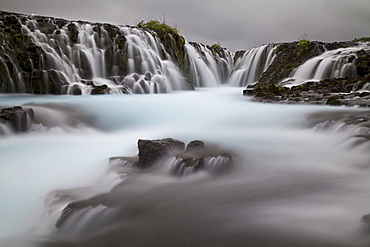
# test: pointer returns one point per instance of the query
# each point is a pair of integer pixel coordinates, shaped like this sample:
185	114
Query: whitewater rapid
291	182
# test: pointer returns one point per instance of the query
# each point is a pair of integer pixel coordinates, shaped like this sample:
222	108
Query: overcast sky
235	24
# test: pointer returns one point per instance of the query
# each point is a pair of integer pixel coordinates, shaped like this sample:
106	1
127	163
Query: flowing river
292	184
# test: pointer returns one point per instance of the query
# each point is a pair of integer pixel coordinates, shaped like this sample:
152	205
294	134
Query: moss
362	39
278	49
303	46
270	91
159	27
216	46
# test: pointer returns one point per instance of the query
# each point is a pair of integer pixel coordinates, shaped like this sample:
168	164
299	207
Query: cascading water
82	56
249	68
87	58
337	63
208	69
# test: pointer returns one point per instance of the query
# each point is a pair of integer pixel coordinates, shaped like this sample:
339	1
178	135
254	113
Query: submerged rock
19	119
180	160
151	151
366	219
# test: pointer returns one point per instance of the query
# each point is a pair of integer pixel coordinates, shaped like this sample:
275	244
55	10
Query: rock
73	32
366	219
198	157
194	158
333	100
151	151
19	119
196	146
103	89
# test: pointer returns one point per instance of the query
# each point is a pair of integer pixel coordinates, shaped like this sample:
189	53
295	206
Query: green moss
215	46
362	39
303	46
278	49
159	26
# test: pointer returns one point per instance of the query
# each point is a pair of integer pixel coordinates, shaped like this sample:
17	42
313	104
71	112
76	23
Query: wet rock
199	157
334	100
73	32
102	89
366	219
181	161
18	118
151	151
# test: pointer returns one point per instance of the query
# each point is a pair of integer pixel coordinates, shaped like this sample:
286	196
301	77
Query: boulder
18	118
150	151
366	219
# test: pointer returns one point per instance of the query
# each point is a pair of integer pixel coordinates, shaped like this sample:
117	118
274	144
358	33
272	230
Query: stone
103	89
366	219
19	119
151	151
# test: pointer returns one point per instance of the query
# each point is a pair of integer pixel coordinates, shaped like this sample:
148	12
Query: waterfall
77	57
208	68
337	63
249	68
83	56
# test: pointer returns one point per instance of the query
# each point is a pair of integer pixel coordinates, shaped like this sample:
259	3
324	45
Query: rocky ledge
181	161
16	119
334	91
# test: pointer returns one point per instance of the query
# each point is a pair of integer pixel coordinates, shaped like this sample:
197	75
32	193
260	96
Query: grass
303	46
159	26
362	39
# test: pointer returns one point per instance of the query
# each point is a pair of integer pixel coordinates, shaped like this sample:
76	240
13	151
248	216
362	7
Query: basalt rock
151	151
18	118
182	161
333	91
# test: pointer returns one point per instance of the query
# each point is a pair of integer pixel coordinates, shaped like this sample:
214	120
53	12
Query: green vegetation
303	46
362	39
215	46
159	26
278	49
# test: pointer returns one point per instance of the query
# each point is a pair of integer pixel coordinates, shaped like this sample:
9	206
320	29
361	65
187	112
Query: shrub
303	46
159	26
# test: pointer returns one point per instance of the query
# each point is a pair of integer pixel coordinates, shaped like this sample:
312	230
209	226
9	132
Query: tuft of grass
362	39
159	26
303	46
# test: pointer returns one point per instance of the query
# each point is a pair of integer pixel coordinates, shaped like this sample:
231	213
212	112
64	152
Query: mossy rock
334	100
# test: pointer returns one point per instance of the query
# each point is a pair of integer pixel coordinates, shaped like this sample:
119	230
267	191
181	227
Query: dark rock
103	89
73	32
334	100
366	219
151	151
196	146
21	120
194	158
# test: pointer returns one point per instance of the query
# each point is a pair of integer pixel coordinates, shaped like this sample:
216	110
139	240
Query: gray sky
235	24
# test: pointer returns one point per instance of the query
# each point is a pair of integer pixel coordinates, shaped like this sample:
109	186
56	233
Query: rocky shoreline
334	91
348	91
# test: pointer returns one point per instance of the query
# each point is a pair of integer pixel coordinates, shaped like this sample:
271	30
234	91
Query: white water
85	60
249	68
331	64
290	183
